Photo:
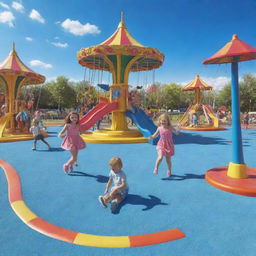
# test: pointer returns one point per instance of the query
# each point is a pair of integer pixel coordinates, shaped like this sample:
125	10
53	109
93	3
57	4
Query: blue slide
143	123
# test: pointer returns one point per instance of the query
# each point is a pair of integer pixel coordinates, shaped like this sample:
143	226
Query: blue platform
216	223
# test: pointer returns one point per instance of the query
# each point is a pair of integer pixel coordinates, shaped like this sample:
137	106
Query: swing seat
104	86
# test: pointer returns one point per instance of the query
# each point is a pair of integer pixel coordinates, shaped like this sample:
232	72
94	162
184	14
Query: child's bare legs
169	164
34	148
46	143
112	196
72	160
158	162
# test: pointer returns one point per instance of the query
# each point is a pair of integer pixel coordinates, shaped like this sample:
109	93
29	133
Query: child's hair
35	122
116	160
164	116
67	119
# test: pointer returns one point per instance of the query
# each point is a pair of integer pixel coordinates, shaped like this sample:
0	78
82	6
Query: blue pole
237	148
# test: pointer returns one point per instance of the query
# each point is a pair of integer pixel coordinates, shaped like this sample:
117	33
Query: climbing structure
14	74
210	122
120	54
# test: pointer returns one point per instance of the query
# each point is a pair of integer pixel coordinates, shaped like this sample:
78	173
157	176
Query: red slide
95	114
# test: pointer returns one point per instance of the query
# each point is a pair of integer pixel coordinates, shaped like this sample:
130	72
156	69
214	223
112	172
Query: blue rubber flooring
216	223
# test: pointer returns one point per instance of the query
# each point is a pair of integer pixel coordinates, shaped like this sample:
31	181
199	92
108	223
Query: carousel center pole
237	168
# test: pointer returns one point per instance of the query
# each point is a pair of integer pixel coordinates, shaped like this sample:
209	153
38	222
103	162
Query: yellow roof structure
13	65
197	84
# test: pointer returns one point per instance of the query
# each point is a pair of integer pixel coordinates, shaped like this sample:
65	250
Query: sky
48	34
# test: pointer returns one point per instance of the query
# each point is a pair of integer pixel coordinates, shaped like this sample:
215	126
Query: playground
214	222
205	207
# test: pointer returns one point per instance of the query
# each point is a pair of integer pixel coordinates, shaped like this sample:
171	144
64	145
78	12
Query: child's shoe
168	174
70	168
66	168
155	171
114	205
34	149
102	201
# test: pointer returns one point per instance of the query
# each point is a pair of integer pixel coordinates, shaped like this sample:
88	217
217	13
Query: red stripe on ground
51	230
13	179
156	238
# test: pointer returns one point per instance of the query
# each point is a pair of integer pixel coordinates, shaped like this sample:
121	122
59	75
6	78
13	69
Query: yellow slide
3	121
210	112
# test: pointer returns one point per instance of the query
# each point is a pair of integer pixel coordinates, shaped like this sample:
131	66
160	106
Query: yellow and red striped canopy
13	65
121	37
197	84
234	51
120	43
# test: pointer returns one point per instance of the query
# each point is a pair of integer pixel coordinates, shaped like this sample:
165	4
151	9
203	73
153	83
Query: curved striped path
48	229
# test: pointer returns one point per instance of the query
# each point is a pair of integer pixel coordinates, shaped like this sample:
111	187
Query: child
120	189
165	146
39	117
194	119
35	129
246	120
72	140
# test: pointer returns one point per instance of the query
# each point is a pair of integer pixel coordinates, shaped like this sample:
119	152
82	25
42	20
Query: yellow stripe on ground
102	241
23	211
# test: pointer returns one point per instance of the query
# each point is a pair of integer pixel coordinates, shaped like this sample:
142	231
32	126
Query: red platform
218	178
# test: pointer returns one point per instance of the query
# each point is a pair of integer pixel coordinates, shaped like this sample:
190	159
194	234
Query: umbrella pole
237	168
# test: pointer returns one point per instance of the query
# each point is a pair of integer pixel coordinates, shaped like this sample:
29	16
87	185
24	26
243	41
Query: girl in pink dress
72	140
165	146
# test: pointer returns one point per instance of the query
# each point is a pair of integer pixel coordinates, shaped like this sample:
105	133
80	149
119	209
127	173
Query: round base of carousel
107	136
202	128
12	137
18	136
218	178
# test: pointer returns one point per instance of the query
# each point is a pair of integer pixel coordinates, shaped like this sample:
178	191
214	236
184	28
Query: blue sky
49	33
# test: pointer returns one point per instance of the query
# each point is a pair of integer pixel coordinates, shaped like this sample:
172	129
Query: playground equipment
120	54
14	74
237	177
211	121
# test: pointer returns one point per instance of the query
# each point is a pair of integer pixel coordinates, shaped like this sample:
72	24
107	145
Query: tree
171	95
248	93
223	97
63	94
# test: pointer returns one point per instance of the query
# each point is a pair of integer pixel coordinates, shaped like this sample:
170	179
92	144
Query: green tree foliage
63	93
223	97
171	95
248	93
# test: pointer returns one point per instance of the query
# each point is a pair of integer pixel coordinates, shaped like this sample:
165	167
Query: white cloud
58	44
217	82
18	6
35	15
7	17
6	6
29	38
56	38
78	29
40	64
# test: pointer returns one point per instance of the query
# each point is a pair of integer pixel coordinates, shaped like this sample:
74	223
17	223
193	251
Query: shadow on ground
132	199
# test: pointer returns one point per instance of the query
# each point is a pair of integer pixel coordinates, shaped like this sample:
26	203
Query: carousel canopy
120	43
14	66
197	84
234	51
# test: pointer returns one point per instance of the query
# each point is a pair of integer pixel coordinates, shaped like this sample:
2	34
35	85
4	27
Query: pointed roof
120	43
197	84
13	65
234	51
121	36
